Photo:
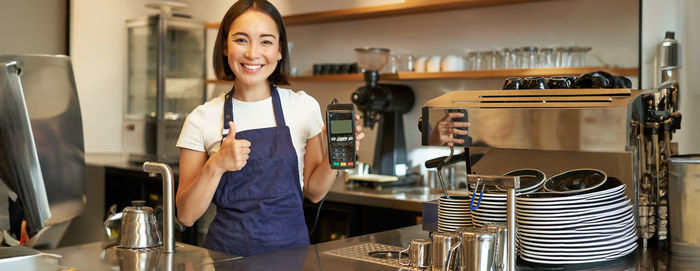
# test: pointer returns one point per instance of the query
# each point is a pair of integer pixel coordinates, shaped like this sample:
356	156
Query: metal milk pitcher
478	249
445	250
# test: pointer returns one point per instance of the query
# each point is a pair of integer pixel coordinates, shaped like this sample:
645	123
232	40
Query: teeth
252	67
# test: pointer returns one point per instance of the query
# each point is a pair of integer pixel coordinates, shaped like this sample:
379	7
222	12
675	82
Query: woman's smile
252	67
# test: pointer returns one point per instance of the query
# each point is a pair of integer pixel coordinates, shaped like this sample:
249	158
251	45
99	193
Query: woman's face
253	47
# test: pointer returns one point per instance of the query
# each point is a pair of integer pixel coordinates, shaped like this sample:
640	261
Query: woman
255	149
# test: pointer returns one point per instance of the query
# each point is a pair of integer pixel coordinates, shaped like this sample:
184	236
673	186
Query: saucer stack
453	213
494	199
491	210
592	226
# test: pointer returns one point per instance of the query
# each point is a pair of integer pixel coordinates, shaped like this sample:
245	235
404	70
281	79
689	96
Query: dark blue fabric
259	208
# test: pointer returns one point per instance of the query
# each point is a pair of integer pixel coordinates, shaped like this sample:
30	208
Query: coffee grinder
383	104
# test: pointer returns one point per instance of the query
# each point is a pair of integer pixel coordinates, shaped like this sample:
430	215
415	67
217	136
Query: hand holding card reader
341	135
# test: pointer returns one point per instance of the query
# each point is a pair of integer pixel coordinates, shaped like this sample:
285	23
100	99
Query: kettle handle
111	237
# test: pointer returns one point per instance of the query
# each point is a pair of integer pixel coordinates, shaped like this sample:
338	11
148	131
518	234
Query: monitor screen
19	162
41	140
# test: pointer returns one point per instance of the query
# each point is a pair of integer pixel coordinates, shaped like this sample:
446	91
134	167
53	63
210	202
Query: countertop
321	256
92	256
317	257
407	198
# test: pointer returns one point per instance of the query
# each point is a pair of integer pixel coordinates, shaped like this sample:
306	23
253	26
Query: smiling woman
258	168
273	34
252	47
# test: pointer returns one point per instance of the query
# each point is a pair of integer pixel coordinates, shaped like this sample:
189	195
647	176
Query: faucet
168	202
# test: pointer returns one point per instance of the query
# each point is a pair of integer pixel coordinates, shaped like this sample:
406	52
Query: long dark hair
221	68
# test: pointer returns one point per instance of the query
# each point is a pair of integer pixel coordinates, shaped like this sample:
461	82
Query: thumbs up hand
233	154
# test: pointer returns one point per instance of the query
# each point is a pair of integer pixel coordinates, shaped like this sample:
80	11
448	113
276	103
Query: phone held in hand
340	119
467	139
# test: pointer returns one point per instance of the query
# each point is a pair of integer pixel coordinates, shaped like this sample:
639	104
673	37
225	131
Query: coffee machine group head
383	104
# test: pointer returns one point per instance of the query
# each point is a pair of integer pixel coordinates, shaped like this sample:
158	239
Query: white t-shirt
203	127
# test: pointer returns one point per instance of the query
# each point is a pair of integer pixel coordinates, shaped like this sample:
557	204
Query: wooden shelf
504	73
484	74
408	7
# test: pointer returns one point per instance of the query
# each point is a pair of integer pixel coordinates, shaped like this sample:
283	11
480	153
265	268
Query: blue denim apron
259	208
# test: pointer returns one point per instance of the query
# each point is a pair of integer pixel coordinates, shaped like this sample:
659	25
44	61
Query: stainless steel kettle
139	227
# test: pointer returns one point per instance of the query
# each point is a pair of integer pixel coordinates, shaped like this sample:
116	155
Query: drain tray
361	252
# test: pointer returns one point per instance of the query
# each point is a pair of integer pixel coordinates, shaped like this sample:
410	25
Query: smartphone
467	139
340	119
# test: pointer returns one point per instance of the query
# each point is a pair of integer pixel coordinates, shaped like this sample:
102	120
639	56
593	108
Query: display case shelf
405	8
481	74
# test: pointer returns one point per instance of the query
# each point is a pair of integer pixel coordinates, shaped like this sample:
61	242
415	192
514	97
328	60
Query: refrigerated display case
165	81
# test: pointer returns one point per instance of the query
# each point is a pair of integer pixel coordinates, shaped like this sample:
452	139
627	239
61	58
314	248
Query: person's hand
233	154
445	129
359	135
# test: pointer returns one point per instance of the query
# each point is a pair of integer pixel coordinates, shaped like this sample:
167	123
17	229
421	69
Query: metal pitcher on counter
139	226
138	229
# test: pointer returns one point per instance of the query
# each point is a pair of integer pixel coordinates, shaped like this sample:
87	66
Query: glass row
507	58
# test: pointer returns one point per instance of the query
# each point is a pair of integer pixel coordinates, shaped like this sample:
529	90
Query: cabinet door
142	70
184	68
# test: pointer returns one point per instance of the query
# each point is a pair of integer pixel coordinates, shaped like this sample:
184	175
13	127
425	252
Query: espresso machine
654	141
623	132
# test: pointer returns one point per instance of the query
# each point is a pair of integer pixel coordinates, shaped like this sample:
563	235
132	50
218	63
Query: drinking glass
474	59
529	57
546	58
495	59
392	66
406	63
510	58
487	63
563	56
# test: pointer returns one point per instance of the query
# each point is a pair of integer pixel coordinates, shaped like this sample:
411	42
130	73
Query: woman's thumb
231	130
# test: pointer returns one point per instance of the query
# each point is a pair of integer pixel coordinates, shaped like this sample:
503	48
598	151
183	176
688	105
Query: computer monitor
19	163
42	157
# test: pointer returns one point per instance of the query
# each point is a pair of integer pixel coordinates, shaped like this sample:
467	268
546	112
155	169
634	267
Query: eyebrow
262	35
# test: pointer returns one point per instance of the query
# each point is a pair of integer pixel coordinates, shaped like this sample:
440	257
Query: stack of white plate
493	201
491	210
453	213
592	226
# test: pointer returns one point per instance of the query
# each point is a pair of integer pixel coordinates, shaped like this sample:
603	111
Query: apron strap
228	110
277	106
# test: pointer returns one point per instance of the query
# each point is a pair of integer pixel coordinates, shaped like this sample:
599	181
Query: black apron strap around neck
276	106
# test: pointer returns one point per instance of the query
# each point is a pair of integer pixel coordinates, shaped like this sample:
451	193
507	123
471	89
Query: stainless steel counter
317	257
408	198
402	198
92	257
